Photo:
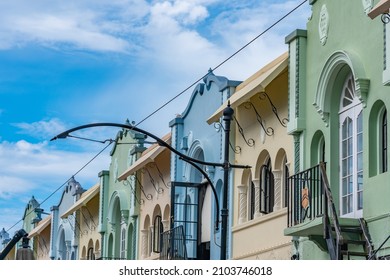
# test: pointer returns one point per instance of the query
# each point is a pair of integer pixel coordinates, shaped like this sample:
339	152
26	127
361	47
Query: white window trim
351	111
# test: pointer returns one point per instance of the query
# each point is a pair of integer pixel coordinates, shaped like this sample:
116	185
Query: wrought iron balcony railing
173	244
305	196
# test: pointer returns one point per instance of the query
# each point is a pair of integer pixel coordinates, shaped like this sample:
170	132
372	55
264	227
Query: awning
83	200
381	8
40	227
253	85
147	156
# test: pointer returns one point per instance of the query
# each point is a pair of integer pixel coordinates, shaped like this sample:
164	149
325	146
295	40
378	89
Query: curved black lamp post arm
228	113
212	187
161	142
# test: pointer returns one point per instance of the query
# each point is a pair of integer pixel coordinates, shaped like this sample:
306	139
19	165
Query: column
242	203
144	243
278	186
256	182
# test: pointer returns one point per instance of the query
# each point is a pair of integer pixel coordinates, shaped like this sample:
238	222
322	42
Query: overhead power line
60	187
223	62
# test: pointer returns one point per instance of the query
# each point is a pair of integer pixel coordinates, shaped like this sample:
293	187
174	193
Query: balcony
311	213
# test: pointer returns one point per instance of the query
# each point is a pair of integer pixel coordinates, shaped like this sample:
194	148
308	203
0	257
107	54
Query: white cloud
11	186
49	29
88	25
36	167
186	12
42	129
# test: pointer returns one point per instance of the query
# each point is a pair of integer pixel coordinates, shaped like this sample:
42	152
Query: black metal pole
227	118
18	235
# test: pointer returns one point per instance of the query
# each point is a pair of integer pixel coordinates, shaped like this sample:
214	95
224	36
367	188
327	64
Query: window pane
347	204
360	142
360	181
345	186
360	200
360	122
350	146
360	161
350	165
344	149
345	167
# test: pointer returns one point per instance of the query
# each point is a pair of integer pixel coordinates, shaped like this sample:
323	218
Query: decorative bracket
385	18
126	182
154	165
269	130
262	96
152	181
218	126
250	142
135	179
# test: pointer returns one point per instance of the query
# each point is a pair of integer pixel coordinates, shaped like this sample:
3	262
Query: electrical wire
220	64
60	187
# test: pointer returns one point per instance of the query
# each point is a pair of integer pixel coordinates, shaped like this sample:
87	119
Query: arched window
90	255
351	151
267	192
252	200
158	229
123	243
383	142
286	174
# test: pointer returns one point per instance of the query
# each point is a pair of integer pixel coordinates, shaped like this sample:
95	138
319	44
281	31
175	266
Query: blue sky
68	63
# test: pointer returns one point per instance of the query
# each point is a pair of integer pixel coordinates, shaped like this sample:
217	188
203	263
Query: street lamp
227	117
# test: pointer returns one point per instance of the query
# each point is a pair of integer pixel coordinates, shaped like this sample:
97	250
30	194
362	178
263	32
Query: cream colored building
40	237
86	211
154	169
260	140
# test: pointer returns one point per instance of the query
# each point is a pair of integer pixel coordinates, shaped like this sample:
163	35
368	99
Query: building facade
193	199
40	237
86	213
153	169
65	231
261	141
338	100
119	202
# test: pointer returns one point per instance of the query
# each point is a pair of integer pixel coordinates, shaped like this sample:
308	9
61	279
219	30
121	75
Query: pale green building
339	76
120	200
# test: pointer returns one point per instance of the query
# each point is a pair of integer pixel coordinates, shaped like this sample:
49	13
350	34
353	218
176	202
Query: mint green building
339	77
120	200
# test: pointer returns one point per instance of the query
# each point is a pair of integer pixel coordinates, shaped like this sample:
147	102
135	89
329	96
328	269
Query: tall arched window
91	255
286	175
252	200
123	244
383	141
351	151
158	229
266	188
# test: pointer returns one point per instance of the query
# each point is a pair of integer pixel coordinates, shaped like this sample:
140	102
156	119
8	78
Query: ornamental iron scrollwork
250	142
218	126
126	182
269	130
74	224
385	18
263	95
152	181
135	178
154	165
